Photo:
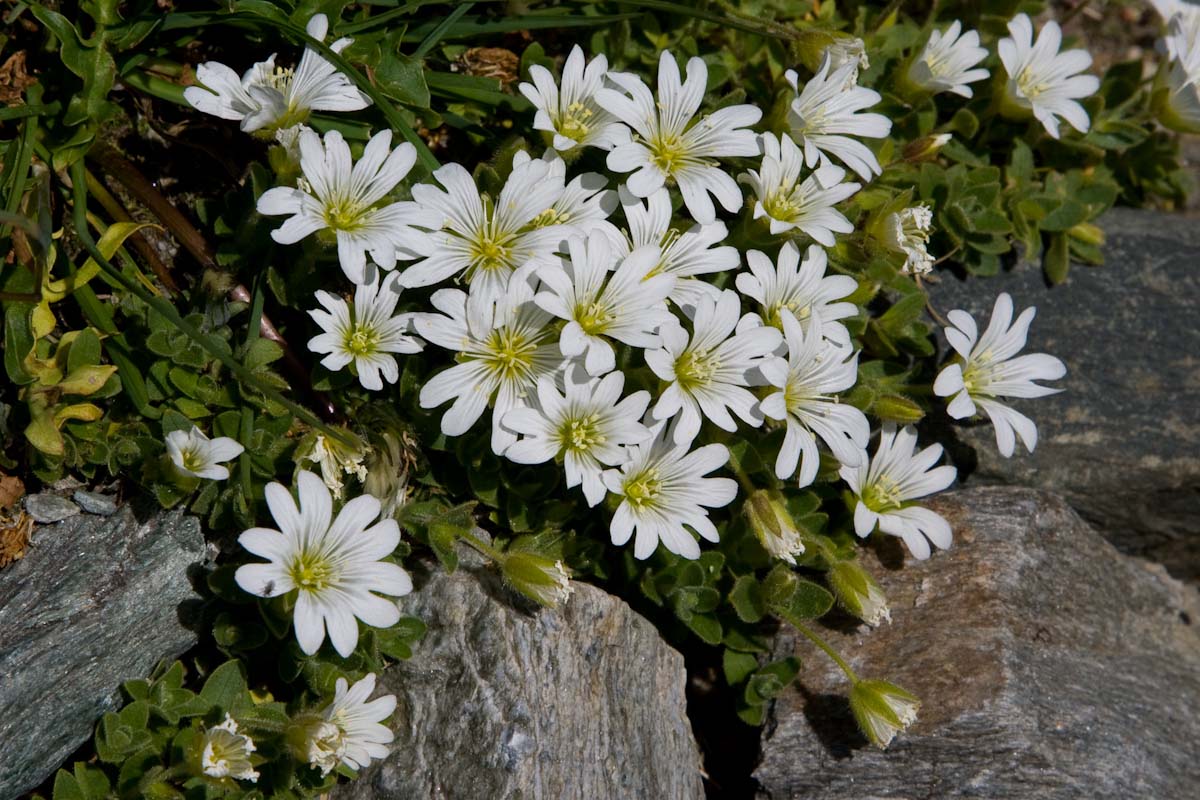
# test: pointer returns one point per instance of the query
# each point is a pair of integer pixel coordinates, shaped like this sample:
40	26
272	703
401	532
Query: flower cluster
555	302
612	323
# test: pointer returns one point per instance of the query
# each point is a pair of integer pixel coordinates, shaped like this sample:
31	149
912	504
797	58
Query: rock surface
1050	666
95	602
504	701
1122	443
45	507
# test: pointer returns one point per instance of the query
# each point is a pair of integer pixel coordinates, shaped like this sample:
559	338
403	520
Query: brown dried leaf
12	489
14	80
14	537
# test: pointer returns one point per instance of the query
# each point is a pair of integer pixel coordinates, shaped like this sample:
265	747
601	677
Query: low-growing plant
617	292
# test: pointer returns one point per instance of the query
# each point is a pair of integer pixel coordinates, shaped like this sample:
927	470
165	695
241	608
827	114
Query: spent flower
907	232
226	753
882	710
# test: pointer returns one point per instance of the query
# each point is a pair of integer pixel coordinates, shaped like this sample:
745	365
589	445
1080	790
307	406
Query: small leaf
225	685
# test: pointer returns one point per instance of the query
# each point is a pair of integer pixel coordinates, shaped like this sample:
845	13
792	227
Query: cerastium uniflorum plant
631	293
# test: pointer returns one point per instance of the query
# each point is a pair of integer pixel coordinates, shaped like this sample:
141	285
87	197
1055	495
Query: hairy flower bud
767	515
541	579
926	148
882	710
858	593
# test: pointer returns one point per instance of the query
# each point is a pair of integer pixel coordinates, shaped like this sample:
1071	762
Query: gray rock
94	605
503	701
96	503
1122	443
1049	664
46	508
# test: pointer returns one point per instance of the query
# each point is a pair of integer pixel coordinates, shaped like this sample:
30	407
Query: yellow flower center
593	318
775	312
1028	83
510	354
668	152
311	572
574	124
694	368
550	217
343	214
882	495
362	341
582	434
643	489
193	460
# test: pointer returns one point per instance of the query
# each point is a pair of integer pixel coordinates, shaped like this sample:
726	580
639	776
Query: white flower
827	110
801	287
364	334
487	241
502	349
948	62
789	203
1182	41
683	254
664	493
585	204
709	370
226	753
815	371
571	113
622	304
990	370
669	145
907	231
197	456
348	731
896	475
268	96
1177	94
587	428
334	565
1044	81
345	198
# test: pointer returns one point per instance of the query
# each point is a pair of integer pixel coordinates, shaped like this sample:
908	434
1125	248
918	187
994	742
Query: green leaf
225	686
402	78
737	666
746	599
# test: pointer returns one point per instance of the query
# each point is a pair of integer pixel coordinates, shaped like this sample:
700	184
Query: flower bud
897	408
858	592
767	514
1087	233
541	579
882	710
926	148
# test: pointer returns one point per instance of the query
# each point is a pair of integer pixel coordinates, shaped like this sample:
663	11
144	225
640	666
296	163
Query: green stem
156	87
168	311
829	651
482	547
742	478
